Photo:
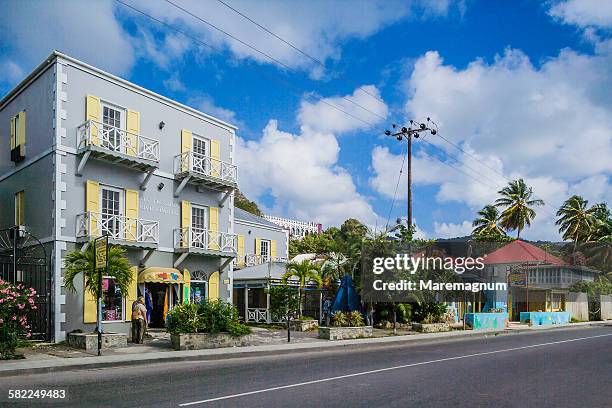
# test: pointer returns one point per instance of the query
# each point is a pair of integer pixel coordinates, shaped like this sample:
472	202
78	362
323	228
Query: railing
118	140
206	166
202	238
257	315
252	259
118	227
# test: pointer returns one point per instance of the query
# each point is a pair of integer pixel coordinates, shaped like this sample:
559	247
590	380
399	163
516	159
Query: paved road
558	368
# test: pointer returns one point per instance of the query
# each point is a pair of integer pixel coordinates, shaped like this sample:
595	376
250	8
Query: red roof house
520	251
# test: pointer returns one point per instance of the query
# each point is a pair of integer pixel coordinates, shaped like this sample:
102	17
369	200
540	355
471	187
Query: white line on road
380	370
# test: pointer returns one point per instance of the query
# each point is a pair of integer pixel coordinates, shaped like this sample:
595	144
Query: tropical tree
516	201
575	219
305	272
486	223
602	223
119	268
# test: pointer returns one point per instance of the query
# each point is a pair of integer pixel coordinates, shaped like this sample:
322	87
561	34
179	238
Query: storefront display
112	301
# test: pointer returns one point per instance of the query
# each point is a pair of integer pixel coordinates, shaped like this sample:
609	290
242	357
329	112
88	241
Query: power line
271	58
212	47
304	53
396	187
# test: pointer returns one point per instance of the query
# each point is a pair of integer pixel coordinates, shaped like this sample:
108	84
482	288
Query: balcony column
268	316
246	303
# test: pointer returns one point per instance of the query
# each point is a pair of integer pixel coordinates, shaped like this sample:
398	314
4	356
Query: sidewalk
45	365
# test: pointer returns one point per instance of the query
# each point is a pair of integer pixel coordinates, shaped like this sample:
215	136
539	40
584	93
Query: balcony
253	260
203	170
117	146
205	242
124	231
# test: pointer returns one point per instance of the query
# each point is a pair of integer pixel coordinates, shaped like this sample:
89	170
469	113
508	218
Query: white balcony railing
117	227
206	166
118	140
257	315
201	238
252	260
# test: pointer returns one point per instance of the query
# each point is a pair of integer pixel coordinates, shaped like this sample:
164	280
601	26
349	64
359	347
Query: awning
161	275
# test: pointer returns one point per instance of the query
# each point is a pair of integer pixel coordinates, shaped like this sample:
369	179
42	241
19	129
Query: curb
84	363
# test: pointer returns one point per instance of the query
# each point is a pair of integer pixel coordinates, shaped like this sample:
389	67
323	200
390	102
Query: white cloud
321	117
174	83
450	230
10	72
206	104
317	27
301	171
85	30
549	124
583	13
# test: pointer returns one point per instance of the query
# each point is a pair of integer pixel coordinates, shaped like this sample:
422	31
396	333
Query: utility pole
406	133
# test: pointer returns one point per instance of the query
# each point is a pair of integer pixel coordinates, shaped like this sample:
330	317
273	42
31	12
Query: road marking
380	370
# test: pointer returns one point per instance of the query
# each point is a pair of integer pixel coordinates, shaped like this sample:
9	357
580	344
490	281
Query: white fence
201	238
206	166
117	140
118	227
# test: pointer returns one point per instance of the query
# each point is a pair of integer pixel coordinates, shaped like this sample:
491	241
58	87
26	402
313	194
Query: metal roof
243	215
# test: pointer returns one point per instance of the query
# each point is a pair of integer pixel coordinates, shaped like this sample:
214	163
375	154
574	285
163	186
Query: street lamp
406	133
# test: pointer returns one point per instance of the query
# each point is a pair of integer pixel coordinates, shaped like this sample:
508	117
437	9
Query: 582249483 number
37	394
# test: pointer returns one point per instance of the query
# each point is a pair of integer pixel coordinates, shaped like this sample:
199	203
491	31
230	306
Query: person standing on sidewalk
139	320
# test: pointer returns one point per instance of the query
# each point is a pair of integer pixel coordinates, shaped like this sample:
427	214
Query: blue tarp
347	299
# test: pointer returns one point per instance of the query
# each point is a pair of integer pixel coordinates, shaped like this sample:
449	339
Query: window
111	202
201	151
113	121
265	250
199	226
20	208
15	131
112	300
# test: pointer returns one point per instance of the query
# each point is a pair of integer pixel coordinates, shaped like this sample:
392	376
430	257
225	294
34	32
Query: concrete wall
250	231
606	307
35	179
577	304
37	100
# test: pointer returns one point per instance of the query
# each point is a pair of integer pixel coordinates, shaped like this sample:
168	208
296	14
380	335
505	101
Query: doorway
158	293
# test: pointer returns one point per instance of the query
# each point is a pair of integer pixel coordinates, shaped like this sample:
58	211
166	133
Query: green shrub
16	302
208	317
236	329
185	318
355	319
429	312
306	318
279	295
339	319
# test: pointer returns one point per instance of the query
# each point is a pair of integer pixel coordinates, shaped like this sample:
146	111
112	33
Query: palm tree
306	272
575	219
516	201
486	224
119	268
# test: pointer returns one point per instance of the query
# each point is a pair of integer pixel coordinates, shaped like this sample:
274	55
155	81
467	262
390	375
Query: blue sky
522	87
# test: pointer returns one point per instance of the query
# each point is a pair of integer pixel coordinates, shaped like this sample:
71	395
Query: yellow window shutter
186	285
186	141
92	205
241	259
185	223
21	129
132	294
131	213
213	286
273	248
213	228
258	246
215	155
133	130
13	134
92	112
90	308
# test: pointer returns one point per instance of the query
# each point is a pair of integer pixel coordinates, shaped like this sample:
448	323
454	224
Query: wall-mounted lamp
160	186
162	124
249	232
